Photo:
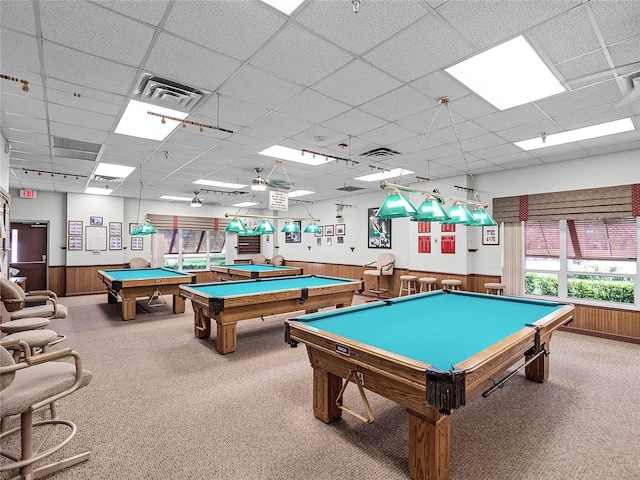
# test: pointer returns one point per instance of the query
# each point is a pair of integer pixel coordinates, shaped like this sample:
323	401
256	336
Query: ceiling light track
184	123
347	161
221	192
25	83
53	174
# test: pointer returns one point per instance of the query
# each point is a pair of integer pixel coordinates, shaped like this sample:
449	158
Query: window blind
175	222
602	239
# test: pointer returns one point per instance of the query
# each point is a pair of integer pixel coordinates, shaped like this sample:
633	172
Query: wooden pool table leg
538	370
178	303
429	445
112	297
226	338
128	308
326	387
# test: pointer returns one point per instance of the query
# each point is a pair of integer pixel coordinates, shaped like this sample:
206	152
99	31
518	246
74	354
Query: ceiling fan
281	185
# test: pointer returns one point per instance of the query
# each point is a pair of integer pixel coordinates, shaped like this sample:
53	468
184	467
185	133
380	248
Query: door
29	253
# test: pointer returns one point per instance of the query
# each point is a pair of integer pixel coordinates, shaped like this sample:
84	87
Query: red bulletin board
424	244
448	244
447	227
424	227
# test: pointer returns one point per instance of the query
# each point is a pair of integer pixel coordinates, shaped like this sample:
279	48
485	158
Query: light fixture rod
248	215
182	121
402	188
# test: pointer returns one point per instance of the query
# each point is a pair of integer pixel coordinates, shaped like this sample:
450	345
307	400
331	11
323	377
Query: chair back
6	360
277	260
11	295
259	259
138	262
385	263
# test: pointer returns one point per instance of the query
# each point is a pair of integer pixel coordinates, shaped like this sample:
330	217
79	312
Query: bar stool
495	288
451	284
428	284
24	324
407	283
39	341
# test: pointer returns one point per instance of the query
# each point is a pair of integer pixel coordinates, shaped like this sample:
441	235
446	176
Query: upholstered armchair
36	382
139	262
383	266
15	298
259	259
277	260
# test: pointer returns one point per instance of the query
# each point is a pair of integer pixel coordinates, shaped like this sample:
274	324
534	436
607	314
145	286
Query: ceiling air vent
169	94
68	148
349	188
381	152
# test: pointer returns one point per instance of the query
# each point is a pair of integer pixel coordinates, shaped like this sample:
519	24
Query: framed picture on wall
319	232
341	229
95	220
115	229
328	230
131	227
379	230
329	241
115	243
74	243
491	235
136	243
294	237
75	227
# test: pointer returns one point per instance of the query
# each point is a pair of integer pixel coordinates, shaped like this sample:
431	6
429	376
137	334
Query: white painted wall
606	170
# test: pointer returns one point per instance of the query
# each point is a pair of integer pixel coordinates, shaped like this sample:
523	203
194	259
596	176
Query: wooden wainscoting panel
57	280
84	280
608	321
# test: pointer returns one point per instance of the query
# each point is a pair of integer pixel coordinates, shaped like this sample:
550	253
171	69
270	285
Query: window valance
606	202
175	222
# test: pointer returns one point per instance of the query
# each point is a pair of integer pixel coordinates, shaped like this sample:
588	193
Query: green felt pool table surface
242	271
125	274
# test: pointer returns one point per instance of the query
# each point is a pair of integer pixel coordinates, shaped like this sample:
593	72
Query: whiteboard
96	238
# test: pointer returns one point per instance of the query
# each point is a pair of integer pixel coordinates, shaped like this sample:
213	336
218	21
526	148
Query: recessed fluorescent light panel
508	75
285	6
214	183
136	122
178	199
585	133
299	193
286	153
245	204
113	170
98	191
376	177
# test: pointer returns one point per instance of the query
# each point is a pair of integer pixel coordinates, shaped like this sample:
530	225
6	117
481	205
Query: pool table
429	353
229	302
133	283
246	271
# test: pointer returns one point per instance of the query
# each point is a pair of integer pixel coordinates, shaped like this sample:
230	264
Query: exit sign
28	194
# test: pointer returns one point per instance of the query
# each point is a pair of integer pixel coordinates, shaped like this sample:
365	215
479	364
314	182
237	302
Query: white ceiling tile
91	29
18	15
43	150
471	107
566	36
487	22
240	27
26	124
354	122
387	134
78	133
22	104
360	32
313	107
399	103
593	116
464	130
617	147
25	137
529	130
585	70
74	116
256	86
583	99
292	48
19	51
307	137
72	66
419	50
138	10
356	83
617	20
190	64
280	124
510	118
232	112
494	151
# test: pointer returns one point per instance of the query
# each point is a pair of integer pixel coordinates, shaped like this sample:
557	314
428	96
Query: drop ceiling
324	79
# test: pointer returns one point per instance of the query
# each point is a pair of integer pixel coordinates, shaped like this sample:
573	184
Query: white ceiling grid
321	78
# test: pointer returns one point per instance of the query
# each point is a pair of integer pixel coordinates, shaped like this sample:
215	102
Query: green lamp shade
481	218
265	227
291	227
430	211
312	228
249	232
143	229
459	214
396	205
236	226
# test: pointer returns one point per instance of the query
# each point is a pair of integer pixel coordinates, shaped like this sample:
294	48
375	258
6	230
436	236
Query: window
193	249
583	259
